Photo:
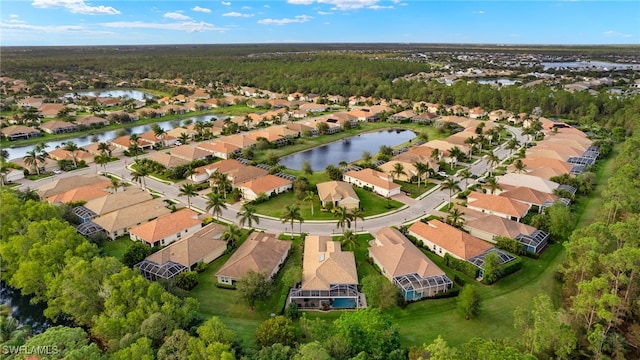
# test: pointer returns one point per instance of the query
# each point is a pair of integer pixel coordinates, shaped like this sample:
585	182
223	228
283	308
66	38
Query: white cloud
297	19
188	26
201	9
325	13
14	16
236	14
379	7
349	4
616	34
267	6
75	29
479	12
76	7
300	2
176	16
246	8
226	3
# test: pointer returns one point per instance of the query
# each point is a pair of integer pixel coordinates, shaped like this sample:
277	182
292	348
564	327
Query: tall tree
221	182
160	133
291	214
73	149
253	286
188	190
33	159
450	184
423	170
344	217
492	160
357	213
102	160
310	196
349	239
465	174
492	185
216	204
468	303
398	169
232	235
140	173
104	148
455	217
248	215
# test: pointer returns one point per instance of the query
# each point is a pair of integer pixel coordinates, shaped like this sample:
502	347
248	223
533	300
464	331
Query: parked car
482	181
443	174
57	171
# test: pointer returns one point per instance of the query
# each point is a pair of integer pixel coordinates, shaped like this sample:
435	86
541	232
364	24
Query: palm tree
366	157
159	132
4	154
519	166
512	144
466	175
72	148
216	204
310	196
455	217
33	159
221	182
115	184
139	175
422	169
343	164
103	147
184	138
248	215
349	239
357	213
232	235
456	153
435	154
344	217
292	213
398	169
492	160
3	171
492	185
102	160
472	141
500	129
188	190
450	184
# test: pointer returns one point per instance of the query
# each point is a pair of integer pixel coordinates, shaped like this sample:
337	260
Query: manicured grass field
414	189
117	247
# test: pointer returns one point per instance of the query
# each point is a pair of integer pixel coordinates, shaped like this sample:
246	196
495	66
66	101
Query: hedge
461	265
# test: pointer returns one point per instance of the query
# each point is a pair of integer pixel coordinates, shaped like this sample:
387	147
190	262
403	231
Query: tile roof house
81	193
380	183
203	173
535	162
497	205
18	132
92	121
31	101
408	167
167	228
49	110
244	174
240	141
406	266
119	200
62	154
123	142
118	222
329	276
261	252
219	148
189	153
62	185
533	182
528	196
269	185
57	127
444	239
338	193
167	160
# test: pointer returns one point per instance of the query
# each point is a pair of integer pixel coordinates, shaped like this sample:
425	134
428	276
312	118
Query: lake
20	152
504	82
348	150
23	311
133	94
589	64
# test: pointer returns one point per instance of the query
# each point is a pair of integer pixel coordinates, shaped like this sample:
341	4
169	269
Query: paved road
425	205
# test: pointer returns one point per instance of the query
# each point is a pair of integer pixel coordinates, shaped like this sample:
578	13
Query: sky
123	22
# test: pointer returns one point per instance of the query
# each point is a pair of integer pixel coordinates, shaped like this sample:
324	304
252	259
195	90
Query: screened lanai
504	257
153	271
535	242
415	287
88	228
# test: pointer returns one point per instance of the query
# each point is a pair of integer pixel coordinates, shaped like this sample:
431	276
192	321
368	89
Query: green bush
225	286
463	266
292	311
187	280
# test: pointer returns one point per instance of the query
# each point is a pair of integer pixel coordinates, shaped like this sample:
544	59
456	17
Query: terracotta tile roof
453	240
18	129
399	256
132	215
264	134
56	124
122	199
81	193
93	148
499	226
324	263
265	184
62	154
90	120
497	203
546	173
167	160
188	152
238	140
218	147
529	181
48	109
528	195
244	174
389	167
223	166
373	177
166	225
62	185
536	162
261	252
331	191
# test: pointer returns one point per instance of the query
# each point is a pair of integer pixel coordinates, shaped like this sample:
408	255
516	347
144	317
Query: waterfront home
337	194
19	132
269	185
378	182
167	228
118	222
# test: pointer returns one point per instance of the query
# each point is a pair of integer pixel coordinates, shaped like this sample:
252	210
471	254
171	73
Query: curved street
423	206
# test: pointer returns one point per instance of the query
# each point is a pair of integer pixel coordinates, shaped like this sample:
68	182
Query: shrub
292	311
187	280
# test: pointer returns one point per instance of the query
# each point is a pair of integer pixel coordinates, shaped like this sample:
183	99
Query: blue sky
105	22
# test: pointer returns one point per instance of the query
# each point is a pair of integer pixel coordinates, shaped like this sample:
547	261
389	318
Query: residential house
261	252
301	128
408	167
337	194
240	141
497	205
296	96
403	115
30	102
203	246
203	173
167	228
529	196
179	131
244	174
57	127
364	115
406	266
62	154
379	182
123	142
536	162
13	175
111	202
48	110
117	223
19	132
169	161
532	182
92	121
329	277
312	107
93	149
219	149
477	112
424	118
81	193
269	185
189	153
62	185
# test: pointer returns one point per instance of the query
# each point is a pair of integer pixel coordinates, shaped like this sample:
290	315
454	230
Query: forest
117	314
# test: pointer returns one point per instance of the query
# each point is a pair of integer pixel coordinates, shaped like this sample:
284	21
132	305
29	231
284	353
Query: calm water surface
133	94
348	150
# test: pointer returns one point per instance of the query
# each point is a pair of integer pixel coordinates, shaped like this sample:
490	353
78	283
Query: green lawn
370	202
117	247
414	189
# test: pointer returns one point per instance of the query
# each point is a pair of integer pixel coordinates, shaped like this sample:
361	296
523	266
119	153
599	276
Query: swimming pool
343	303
